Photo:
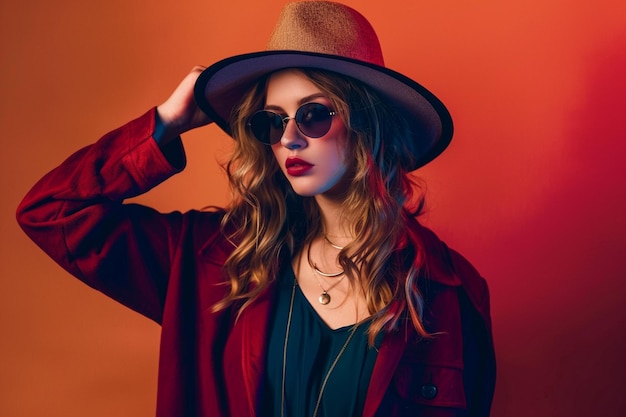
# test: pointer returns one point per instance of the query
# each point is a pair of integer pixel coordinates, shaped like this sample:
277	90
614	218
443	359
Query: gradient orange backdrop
532	189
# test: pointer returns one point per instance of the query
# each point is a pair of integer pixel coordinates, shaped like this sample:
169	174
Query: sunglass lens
266	126
314	119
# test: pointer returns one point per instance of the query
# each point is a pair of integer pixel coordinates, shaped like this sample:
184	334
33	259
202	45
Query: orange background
532	189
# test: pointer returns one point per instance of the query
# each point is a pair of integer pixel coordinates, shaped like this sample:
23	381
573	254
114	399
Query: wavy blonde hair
268	220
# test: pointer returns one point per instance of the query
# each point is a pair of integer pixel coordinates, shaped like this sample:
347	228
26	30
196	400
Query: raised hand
180	113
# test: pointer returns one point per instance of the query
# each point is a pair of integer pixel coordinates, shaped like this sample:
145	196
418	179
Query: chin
302	192
311	187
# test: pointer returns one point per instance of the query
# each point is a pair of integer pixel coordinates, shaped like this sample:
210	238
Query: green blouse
312	348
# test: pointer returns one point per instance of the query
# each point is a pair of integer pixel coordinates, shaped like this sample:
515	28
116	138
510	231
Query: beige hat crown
327	28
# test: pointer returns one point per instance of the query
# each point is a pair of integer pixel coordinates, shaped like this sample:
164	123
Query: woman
316	292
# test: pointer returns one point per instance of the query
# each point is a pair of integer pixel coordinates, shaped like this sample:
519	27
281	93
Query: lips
296	166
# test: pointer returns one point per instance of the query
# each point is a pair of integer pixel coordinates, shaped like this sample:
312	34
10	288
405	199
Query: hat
334	37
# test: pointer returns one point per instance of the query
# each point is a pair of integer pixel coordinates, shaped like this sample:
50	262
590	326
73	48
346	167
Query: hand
180	113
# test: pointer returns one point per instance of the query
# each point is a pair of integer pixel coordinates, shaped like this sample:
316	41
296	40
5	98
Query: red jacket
167	267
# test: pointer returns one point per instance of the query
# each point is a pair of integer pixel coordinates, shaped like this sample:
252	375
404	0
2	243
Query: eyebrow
301	101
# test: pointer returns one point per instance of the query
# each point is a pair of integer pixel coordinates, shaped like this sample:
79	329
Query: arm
76	213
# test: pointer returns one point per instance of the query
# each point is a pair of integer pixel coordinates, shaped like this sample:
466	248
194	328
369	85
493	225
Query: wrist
164	130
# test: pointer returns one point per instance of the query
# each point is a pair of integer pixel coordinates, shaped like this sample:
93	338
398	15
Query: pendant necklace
324	298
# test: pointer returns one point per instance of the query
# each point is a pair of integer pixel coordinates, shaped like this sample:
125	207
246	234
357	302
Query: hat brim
221	86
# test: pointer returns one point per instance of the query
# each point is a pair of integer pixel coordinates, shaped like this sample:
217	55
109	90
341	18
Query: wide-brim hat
334	37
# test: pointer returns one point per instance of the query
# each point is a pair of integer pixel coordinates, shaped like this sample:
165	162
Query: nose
292	137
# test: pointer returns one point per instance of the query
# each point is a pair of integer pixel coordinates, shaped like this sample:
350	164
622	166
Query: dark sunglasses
312	119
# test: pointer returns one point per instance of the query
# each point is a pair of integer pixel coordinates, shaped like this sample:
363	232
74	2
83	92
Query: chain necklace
330	370
324	297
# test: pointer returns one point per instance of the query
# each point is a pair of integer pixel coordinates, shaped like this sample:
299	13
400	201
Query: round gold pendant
324	298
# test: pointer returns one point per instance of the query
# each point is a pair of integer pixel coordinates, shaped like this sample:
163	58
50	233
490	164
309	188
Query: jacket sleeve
76	214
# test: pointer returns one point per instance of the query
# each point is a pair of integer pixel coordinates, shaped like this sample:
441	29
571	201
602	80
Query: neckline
318	318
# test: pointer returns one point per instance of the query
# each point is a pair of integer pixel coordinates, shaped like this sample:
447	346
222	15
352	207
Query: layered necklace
324	297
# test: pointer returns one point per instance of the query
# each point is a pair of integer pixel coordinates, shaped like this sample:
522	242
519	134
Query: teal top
312	348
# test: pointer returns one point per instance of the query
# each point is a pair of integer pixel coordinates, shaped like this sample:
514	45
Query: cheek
343	155
341	159
337	160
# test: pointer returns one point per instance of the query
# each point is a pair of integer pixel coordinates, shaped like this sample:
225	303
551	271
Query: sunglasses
312	119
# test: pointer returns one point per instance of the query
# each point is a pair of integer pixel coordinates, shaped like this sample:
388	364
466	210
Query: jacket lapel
389	355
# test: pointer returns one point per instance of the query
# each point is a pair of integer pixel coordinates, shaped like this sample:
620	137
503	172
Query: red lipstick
296	166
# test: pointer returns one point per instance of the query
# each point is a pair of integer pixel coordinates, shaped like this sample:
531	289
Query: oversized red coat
167	267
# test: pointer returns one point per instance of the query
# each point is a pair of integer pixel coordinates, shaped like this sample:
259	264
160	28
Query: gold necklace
322	273
330	370
334	245
324	297
326	274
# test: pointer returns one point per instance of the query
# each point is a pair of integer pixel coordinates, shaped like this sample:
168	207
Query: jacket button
429	391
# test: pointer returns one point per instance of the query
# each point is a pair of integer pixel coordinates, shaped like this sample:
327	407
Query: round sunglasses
312	119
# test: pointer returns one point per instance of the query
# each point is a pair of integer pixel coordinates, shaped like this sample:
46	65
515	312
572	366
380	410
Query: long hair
266	217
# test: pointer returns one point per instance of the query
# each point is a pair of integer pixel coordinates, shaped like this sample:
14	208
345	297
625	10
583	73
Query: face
313	166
